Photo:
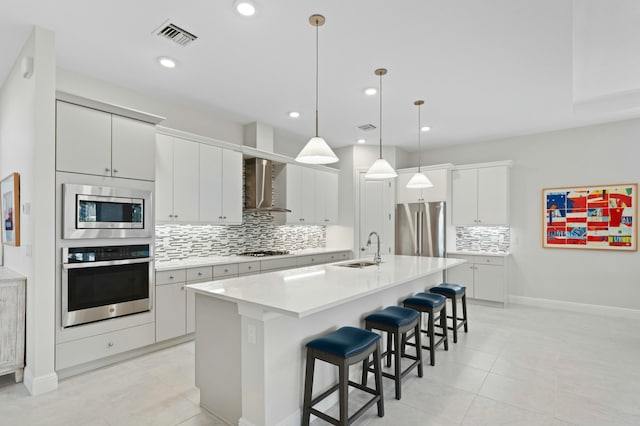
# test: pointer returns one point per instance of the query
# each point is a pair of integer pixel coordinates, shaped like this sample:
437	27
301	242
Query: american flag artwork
592	217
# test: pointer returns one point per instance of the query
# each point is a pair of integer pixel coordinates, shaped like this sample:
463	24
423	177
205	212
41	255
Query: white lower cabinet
171	302
88	349
175	306
484	277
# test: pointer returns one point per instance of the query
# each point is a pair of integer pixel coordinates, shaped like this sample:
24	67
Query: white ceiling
486	68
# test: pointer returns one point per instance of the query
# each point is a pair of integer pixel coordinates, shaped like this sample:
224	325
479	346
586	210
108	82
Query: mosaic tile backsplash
492	239
257	232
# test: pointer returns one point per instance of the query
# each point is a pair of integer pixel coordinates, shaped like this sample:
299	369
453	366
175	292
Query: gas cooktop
262	253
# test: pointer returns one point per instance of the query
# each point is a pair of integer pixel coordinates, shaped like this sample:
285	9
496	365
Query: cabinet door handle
224	217
182	288
175	215
249	267
199	274
115	170
171	277
110	344
106	169
226	270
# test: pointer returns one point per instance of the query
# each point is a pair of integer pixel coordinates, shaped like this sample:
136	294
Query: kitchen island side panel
218	358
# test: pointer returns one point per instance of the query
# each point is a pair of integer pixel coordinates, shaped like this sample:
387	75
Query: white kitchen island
251	331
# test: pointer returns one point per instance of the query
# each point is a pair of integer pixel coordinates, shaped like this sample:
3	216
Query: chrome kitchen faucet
376	258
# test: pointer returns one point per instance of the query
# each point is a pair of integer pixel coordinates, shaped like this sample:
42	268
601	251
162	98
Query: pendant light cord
419	150
317	60
381	116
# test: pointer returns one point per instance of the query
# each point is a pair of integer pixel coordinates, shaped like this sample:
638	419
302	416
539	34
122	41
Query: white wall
199	119
603	154
27	146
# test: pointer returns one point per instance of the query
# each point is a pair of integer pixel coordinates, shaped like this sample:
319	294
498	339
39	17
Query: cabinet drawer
223	271
249	268
488	260
204	273
91	348
168	277
462	257
272	264
312	259
337	257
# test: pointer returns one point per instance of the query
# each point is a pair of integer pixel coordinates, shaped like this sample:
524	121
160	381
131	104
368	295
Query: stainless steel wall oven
103	282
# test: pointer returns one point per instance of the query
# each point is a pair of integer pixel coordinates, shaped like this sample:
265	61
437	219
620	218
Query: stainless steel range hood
260	175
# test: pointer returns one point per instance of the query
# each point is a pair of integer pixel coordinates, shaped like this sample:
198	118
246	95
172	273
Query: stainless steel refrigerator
420	229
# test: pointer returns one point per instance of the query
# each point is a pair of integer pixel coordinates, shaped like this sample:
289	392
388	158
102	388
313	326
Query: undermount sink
358	264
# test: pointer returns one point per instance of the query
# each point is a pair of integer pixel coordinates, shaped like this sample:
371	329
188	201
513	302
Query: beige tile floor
516	366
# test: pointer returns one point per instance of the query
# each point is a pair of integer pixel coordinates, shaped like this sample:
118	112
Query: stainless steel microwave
106	212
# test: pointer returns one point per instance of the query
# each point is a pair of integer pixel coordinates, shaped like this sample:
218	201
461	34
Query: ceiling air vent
175	33
366	127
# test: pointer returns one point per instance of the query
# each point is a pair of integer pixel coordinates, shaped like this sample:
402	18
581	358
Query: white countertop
479	253
194	262
304	291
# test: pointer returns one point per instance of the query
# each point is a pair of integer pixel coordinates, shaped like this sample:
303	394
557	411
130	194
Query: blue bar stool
396	322
342	348
431	304
454	292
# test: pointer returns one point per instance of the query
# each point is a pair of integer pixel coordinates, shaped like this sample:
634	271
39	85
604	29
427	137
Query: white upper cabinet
312	196
83	140
326	197
177	180
197	182
480	196
132	148
164	178
438	192
231	186
301	189
99	143
186	180
220	185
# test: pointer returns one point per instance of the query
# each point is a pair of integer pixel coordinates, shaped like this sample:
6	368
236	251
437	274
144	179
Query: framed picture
10	191
600	217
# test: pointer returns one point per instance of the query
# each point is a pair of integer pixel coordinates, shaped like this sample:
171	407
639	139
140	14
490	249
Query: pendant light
419	180
316	151
380	169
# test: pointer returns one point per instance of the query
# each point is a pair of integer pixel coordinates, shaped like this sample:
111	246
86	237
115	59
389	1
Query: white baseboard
292	420
611	311
41	384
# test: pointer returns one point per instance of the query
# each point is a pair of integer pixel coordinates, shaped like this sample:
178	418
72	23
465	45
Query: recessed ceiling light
361	141
245	7
425	128
294	114
370	91
167	62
